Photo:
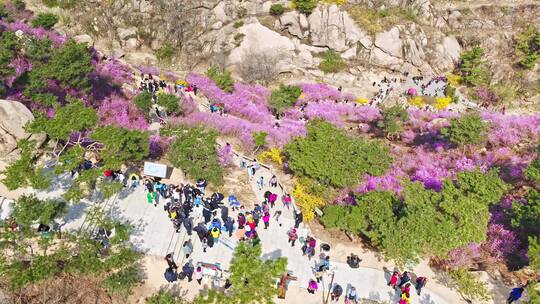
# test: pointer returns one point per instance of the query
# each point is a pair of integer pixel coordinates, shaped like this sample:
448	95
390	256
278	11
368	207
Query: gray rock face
330	27
390	43
13	117
291	21
126	33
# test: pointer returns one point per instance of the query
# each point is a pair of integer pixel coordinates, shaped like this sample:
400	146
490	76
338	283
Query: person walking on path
287	201
170	261
292	236
352	296
150	197
260	183
187	269
188	224
312	286
515	295
337	291
187	248
229	225
406	290
204	243
272	199
420	283
298	218
198	275
393	279
405	278
319	273
273	181
266	220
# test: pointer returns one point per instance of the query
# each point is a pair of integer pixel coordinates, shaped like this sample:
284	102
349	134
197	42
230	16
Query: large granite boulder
390	42
333	28
13	117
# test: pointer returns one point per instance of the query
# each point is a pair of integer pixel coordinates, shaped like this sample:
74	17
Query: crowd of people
154	86
210	216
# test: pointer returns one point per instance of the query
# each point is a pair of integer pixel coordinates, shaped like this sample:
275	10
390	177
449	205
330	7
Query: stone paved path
153	234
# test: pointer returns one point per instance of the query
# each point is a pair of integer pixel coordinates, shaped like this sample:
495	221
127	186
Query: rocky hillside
374	37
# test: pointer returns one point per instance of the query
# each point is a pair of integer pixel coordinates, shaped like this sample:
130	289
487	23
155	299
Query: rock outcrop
333	28
13	117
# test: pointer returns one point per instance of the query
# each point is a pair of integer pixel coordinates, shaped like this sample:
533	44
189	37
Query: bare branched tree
260	66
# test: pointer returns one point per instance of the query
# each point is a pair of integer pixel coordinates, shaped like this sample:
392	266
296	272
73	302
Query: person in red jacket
394	279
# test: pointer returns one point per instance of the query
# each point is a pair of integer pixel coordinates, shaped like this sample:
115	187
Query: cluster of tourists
402	282
209	216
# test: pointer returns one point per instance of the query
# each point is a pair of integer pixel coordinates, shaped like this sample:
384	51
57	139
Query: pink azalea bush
158	145
248	102
225	155
319	92
114	71
119	112
20	65
148	70
341	113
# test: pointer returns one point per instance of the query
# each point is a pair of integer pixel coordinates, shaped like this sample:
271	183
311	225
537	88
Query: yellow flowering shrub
362	100
306	201
442	103
417	101
273	155
181	82
302	96
453	79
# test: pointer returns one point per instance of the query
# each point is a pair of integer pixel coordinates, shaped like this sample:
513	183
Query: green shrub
528	47
38	50
459	211
238	24
222	78
163	297
19	5
23	172
45	20
532	172
333	216
9	46
466	129
468	286
305	6
393	119
123	281
165	53
328	155
143	101
170	102
471	67
50	3
277	9
3	13
534	253
284	97
526	217
121	145
259	138
194	151
332	62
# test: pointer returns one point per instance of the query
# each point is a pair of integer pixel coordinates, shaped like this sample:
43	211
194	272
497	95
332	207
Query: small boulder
126	33
84	39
